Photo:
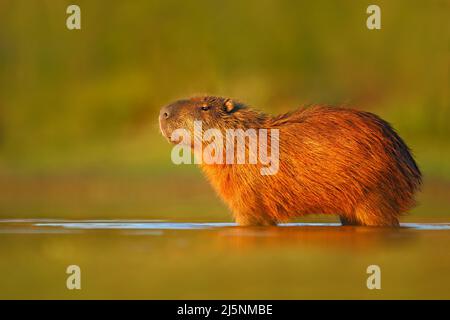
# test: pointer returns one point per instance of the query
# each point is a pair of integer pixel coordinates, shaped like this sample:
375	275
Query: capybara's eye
205	108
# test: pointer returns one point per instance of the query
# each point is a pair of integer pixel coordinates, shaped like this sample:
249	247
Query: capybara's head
213	112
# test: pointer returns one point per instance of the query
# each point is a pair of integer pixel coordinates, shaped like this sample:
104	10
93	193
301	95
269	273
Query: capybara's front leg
245	219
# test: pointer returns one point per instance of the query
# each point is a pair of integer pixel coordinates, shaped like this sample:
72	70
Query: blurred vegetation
81	106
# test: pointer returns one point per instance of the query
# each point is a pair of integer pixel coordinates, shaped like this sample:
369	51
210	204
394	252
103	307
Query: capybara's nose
165	113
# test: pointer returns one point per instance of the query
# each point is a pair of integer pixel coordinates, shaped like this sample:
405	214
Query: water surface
162	259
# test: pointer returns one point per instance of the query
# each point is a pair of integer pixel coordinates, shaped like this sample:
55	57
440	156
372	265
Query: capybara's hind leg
376	212
346	221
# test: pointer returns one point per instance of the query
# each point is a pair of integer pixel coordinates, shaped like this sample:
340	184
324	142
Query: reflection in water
327	237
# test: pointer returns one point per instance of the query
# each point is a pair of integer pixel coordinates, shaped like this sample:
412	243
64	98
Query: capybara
331	161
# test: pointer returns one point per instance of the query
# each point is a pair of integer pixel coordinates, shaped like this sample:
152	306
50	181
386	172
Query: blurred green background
78	109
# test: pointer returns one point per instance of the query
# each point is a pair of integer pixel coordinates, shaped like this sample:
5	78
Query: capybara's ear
229	105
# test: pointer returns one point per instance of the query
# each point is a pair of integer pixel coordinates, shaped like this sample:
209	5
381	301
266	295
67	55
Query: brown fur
332	161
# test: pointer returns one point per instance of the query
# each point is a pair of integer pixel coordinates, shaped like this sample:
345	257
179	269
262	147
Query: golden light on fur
333	161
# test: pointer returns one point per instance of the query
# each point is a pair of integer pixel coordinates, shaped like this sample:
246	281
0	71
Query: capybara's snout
165	117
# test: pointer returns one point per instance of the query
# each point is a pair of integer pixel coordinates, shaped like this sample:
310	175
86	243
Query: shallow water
161	259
